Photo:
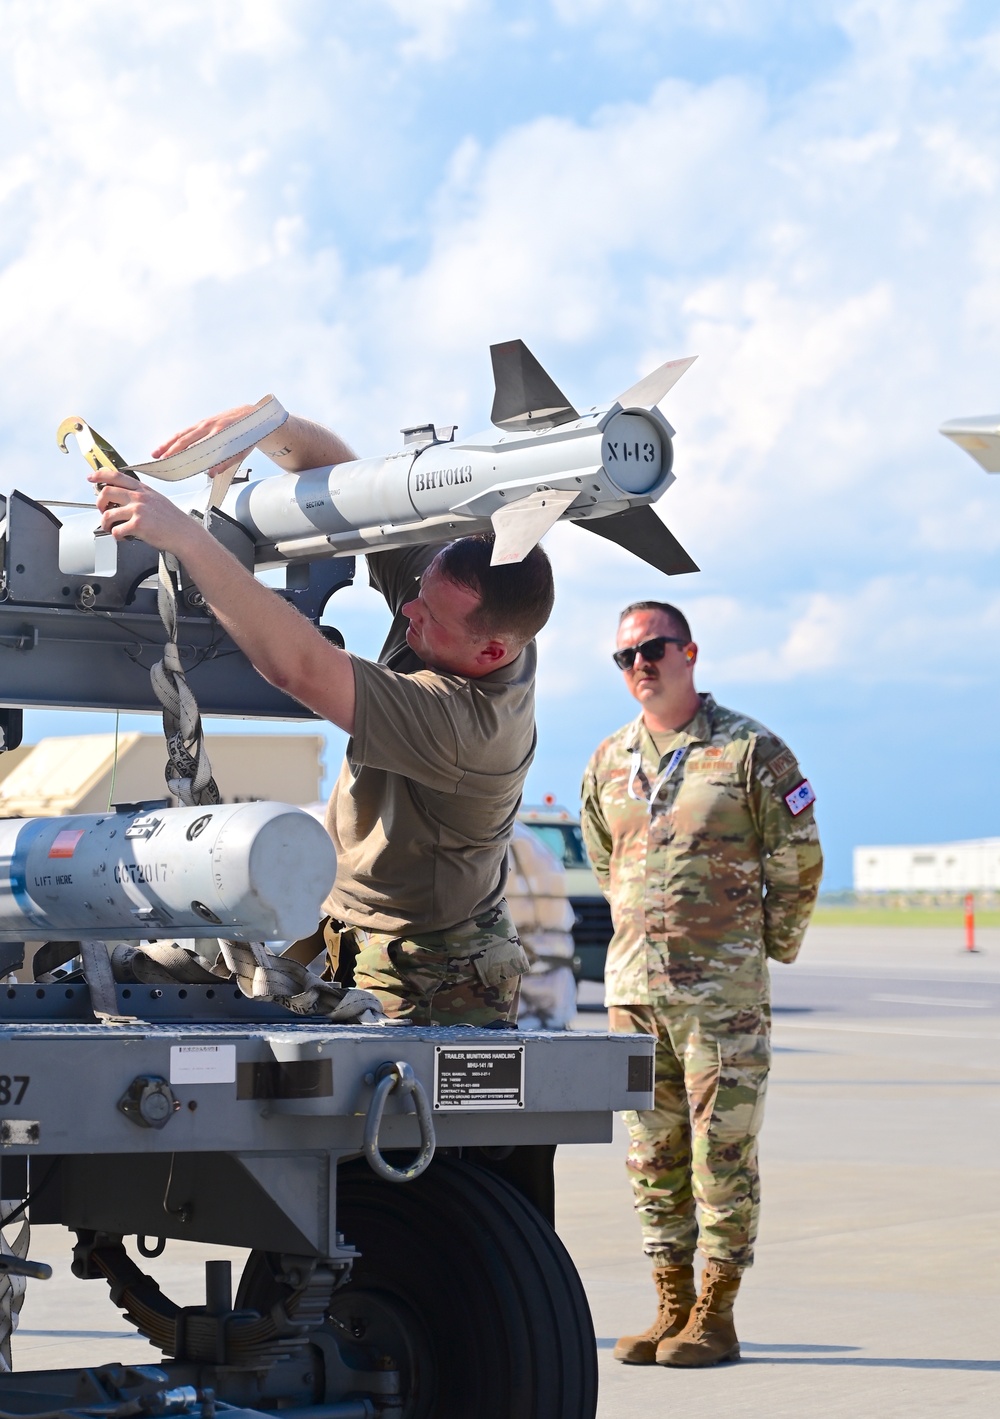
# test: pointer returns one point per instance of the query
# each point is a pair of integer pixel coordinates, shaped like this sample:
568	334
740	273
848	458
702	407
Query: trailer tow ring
386	1078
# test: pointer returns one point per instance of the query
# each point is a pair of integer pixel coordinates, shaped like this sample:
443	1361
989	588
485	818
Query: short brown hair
677	618
515	599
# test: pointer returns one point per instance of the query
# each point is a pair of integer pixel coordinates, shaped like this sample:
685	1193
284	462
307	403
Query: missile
245	871
541	463
980	437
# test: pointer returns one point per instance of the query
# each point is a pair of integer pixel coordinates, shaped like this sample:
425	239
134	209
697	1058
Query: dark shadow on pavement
82	1334
877	1362
807	1349
821	1355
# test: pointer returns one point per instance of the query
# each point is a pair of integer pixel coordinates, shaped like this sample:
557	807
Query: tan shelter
74	774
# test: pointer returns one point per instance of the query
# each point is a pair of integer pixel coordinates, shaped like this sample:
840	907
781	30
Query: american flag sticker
65	841
800	798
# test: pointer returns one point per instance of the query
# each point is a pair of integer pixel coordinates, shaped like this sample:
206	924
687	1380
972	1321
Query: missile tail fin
979	437
641	532
526	397
523	523
657	385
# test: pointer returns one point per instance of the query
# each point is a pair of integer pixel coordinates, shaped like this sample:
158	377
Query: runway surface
877	1280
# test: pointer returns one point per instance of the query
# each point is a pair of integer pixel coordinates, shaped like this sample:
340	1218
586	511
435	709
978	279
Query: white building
972	866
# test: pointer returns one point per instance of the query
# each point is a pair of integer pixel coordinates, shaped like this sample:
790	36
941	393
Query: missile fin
520	525
238	438
979	437
657	385
525	397
640	531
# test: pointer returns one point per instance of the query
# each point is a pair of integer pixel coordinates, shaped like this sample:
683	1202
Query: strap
100	978
51	956
161	964
261	975
266	416
11	1284
189	771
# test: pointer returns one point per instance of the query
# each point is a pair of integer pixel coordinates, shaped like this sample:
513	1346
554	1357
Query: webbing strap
188	772
263	976
160	963
11	1286
238	437
100	978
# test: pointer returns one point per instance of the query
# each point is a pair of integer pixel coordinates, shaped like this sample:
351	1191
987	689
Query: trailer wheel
469	1290
494	1315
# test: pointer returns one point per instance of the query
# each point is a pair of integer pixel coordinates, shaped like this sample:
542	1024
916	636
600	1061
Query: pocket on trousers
500	962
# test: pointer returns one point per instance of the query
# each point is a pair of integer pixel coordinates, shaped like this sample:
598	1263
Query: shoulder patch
780	764
800	798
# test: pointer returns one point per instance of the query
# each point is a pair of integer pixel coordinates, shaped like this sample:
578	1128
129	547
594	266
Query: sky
346	204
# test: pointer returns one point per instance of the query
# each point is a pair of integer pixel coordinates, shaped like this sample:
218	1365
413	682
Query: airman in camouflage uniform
700	828
425	804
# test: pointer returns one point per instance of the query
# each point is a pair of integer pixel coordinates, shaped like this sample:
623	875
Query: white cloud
434	25
170	242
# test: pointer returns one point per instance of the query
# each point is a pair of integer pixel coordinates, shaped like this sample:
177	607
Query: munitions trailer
393	1184
368	1291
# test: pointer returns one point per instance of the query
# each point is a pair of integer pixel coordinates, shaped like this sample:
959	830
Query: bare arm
280	643
298	444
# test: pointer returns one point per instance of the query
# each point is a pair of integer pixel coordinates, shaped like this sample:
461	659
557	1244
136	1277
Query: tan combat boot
709	1336
676	1295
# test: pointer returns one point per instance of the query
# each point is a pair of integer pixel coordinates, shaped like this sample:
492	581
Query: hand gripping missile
245	871
601	470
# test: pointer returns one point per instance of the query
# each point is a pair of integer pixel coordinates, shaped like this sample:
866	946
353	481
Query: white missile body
544	462
246	871
605	462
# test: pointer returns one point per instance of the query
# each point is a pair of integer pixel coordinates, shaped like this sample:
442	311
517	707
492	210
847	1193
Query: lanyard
672	763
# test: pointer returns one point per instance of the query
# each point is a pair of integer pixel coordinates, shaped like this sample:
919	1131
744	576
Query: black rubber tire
496	1320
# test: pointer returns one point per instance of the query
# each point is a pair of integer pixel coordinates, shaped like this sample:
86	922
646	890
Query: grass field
900	916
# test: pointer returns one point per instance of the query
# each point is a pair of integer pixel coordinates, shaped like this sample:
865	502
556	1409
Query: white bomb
250	871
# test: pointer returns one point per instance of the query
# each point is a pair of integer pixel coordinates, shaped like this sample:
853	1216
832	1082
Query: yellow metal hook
96	450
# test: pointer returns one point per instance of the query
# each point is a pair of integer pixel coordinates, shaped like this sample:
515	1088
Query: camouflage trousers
467	975
692	1157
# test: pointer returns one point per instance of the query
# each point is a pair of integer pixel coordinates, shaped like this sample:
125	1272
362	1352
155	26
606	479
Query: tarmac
876	1288
877	1283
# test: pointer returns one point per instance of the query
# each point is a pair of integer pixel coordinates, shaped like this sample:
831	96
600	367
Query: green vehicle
559	829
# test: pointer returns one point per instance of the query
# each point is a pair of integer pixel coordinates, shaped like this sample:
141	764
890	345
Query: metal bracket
387	1077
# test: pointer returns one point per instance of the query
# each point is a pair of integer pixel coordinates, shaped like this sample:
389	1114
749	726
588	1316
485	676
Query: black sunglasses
654	649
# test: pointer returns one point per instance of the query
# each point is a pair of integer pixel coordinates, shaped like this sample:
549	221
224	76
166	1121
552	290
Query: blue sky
345	204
